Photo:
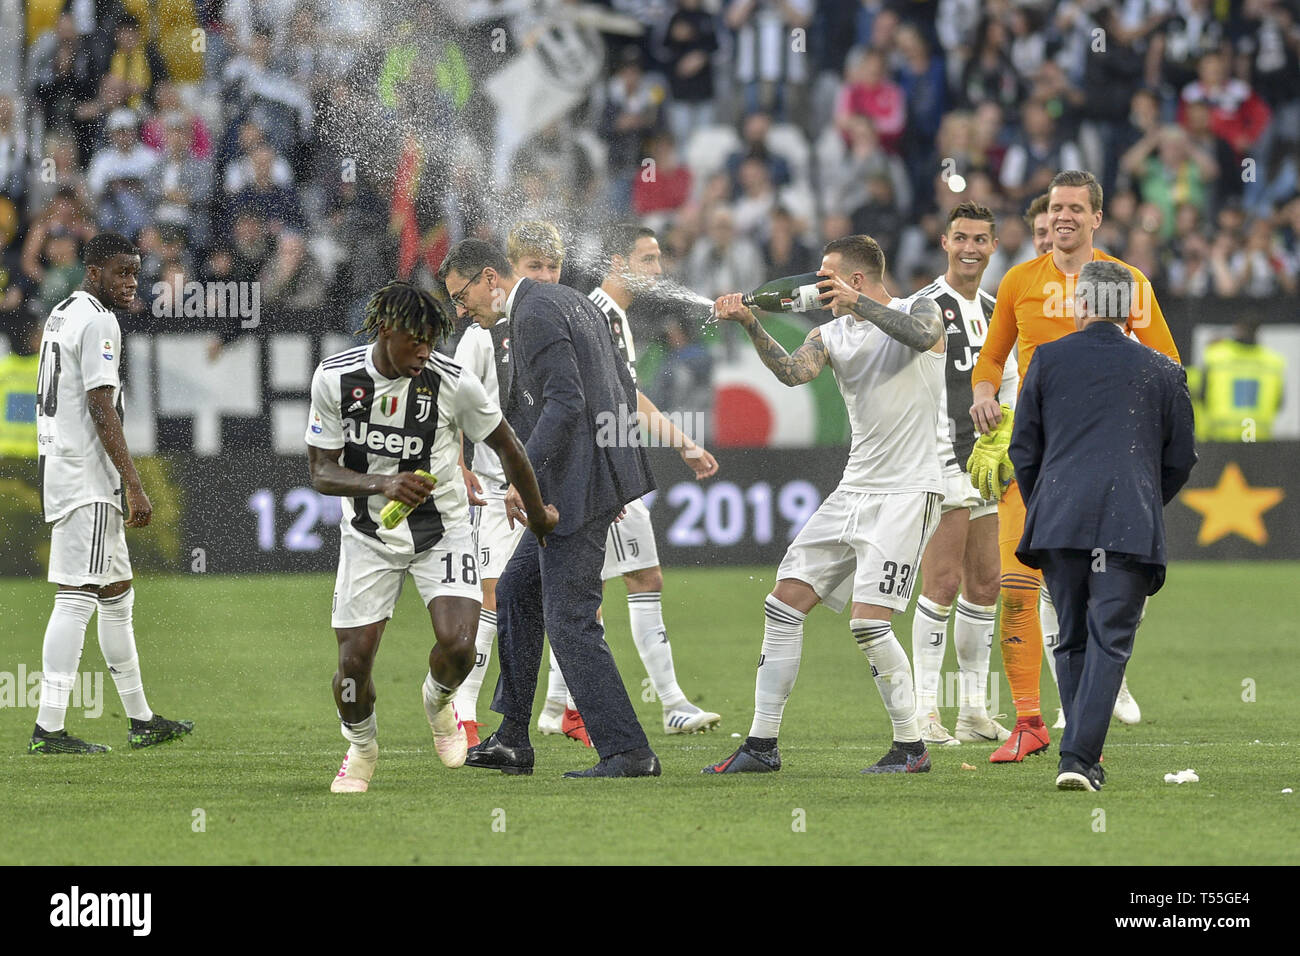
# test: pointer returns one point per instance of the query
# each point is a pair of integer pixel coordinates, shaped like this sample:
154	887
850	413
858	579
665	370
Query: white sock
1051	632
778	666
436	695
929	641
645	613
61	654
557	691
973	637
467	692
893	676
363	734
117	641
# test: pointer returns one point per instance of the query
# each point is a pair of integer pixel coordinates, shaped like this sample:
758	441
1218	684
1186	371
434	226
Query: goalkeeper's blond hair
535	237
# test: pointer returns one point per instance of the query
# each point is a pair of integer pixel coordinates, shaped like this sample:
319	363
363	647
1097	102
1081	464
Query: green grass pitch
250	660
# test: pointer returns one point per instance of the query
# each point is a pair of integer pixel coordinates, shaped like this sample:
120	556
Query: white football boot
357	769
933	733
448	735
686	718
981	728
1126	708
1060	719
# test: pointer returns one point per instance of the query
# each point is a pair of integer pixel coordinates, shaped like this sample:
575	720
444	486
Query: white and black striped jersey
81	349
618	327
965	323
485	353
389	425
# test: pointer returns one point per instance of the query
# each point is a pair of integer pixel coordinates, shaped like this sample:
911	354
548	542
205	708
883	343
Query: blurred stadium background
311	150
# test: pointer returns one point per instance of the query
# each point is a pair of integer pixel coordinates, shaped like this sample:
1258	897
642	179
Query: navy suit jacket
570	386
1103	440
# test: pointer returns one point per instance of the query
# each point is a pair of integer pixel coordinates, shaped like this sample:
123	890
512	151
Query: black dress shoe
492	754
641	762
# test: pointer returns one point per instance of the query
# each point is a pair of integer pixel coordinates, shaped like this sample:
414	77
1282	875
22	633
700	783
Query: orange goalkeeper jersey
1035	304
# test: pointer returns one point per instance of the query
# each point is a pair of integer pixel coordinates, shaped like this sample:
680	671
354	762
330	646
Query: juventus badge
423	406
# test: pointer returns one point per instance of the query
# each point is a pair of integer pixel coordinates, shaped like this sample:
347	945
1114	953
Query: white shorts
370	576
863	546
958	492
88	546
630	543
494	539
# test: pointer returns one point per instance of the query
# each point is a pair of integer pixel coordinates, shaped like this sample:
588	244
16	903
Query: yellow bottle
395	512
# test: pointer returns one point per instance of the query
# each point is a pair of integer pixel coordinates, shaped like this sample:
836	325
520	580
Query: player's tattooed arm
330	478
791	369
920	329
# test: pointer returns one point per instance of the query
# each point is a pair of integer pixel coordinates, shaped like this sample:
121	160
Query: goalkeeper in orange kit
1034	306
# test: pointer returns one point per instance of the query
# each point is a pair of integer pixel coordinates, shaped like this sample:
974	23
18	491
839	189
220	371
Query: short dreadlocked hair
405	307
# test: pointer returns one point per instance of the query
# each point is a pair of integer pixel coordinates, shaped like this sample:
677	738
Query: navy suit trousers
556	590
1099	602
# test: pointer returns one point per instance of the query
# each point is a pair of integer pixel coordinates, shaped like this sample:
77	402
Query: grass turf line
250	660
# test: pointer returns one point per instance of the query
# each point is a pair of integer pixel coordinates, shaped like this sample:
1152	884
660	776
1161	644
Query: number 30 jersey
81	349
384	426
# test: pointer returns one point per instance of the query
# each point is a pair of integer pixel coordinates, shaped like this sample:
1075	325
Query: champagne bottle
791	294
395	512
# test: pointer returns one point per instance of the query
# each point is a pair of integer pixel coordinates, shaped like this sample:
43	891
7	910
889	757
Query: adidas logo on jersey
952	328
379	439
353	407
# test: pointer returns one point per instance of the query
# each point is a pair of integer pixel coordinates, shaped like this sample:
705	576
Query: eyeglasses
457	299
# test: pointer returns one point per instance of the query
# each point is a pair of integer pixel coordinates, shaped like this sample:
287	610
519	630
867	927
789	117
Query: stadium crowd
321	147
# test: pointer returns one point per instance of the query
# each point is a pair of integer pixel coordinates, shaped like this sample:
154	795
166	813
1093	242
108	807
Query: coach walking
566	386
1103	439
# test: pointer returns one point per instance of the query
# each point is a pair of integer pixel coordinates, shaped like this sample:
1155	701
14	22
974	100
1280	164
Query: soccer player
1035	305
1126	708
865	541
91	493
378	413
964	550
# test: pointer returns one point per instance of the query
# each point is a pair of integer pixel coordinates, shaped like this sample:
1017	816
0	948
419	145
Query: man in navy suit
566	389
1103	439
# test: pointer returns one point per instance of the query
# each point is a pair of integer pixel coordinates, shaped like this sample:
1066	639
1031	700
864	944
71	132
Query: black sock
513	733
913	747
761	744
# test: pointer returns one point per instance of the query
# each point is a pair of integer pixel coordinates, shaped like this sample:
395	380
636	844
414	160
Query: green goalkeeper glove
989	466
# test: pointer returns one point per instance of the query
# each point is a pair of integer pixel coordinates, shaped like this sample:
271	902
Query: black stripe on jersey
425	522
449	369
63	305
96	538
345	358
619	554
354	456
927	291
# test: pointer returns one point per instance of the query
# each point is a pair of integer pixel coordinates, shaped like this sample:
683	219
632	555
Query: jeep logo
377	439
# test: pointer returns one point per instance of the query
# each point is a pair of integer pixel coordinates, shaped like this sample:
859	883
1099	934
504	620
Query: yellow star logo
1232	507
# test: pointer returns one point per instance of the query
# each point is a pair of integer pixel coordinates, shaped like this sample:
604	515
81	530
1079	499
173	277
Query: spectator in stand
1190	274
250	246
292	279
684	381
1143	254
988	142
921	77
1036	155
239	173
65	213
754	146
868	92
154	132
180	184
785	253
136	63
1169	171
1228	185
1271	42
1015	245
879	214
90	117
13	154
669	187
1108	83
62	273
1289	240
722	261
254	88
1188	33
1237	113
773	75
275	203
632	107
847	184
117	175
1028	46
61	72
1259	270
989	75
689	46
